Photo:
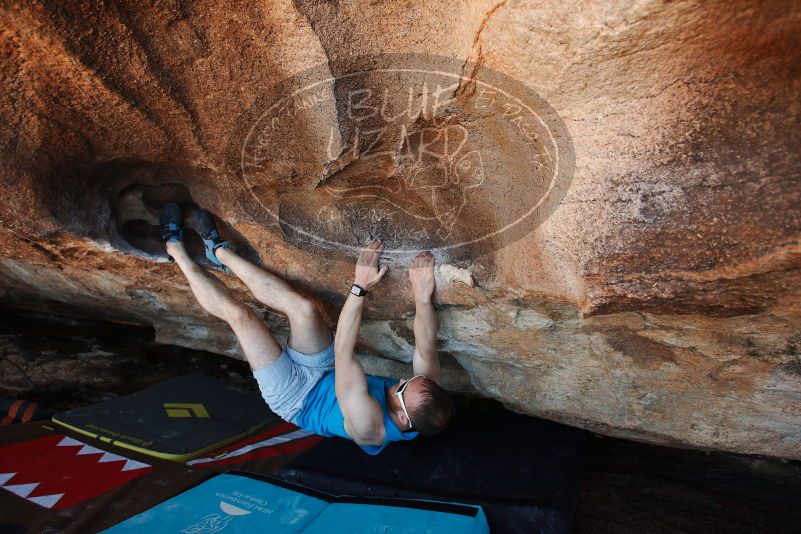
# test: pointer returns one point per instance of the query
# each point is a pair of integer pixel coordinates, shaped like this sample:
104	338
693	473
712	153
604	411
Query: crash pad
523	471
21	411
244	502
59	472
177	420
283	438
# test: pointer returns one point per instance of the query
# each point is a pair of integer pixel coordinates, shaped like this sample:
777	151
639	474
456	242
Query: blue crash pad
241	502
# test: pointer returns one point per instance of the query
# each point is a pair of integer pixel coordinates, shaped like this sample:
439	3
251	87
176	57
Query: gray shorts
287	381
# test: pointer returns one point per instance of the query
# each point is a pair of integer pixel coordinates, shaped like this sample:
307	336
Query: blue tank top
321	414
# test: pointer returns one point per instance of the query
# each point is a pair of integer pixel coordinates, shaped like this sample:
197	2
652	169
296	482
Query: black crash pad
175	420
523	471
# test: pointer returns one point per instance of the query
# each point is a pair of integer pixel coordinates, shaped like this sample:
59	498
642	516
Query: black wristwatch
358	290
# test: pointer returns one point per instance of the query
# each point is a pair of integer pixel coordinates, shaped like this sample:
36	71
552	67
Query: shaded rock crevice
476	56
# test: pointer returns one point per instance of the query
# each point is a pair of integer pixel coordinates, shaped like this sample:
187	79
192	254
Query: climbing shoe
211	237
172	223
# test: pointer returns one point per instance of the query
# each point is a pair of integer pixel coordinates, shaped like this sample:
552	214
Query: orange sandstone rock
651	292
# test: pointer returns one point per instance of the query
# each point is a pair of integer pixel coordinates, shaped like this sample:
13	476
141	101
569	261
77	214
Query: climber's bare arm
363	417
364	421
426	360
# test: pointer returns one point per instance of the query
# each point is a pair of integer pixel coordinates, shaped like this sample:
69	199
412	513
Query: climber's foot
172	224
211	237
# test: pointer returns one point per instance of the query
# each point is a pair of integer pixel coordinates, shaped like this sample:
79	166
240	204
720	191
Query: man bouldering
316	381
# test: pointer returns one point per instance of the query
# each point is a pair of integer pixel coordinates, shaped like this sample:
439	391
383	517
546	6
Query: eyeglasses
399	393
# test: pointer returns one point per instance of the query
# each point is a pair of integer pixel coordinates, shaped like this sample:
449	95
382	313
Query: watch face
358	291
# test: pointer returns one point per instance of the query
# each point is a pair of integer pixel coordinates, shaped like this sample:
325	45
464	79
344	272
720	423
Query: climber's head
420	404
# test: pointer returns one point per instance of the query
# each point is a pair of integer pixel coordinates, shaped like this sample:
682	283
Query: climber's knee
239	314
302	310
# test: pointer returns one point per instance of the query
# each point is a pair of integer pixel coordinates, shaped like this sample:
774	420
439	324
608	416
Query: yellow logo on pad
175	409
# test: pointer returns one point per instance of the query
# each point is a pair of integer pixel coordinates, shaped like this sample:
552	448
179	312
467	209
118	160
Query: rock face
613	193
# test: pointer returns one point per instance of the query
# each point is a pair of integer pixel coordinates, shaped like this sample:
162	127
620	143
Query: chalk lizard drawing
432	164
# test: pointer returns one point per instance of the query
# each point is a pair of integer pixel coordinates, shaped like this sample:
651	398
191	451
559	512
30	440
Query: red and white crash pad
284	438
60	472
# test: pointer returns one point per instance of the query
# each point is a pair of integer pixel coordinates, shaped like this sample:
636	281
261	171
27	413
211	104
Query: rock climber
316	381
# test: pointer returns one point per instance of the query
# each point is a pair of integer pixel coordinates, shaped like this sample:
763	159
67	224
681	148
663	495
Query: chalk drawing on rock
395	147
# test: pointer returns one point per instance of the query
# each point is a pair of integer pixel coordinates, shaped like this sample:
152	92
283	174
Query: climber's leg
257	343
308	332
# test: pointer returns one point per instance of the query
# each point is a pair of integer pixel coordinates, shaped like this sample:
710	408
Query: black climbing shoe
211	237
172	223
